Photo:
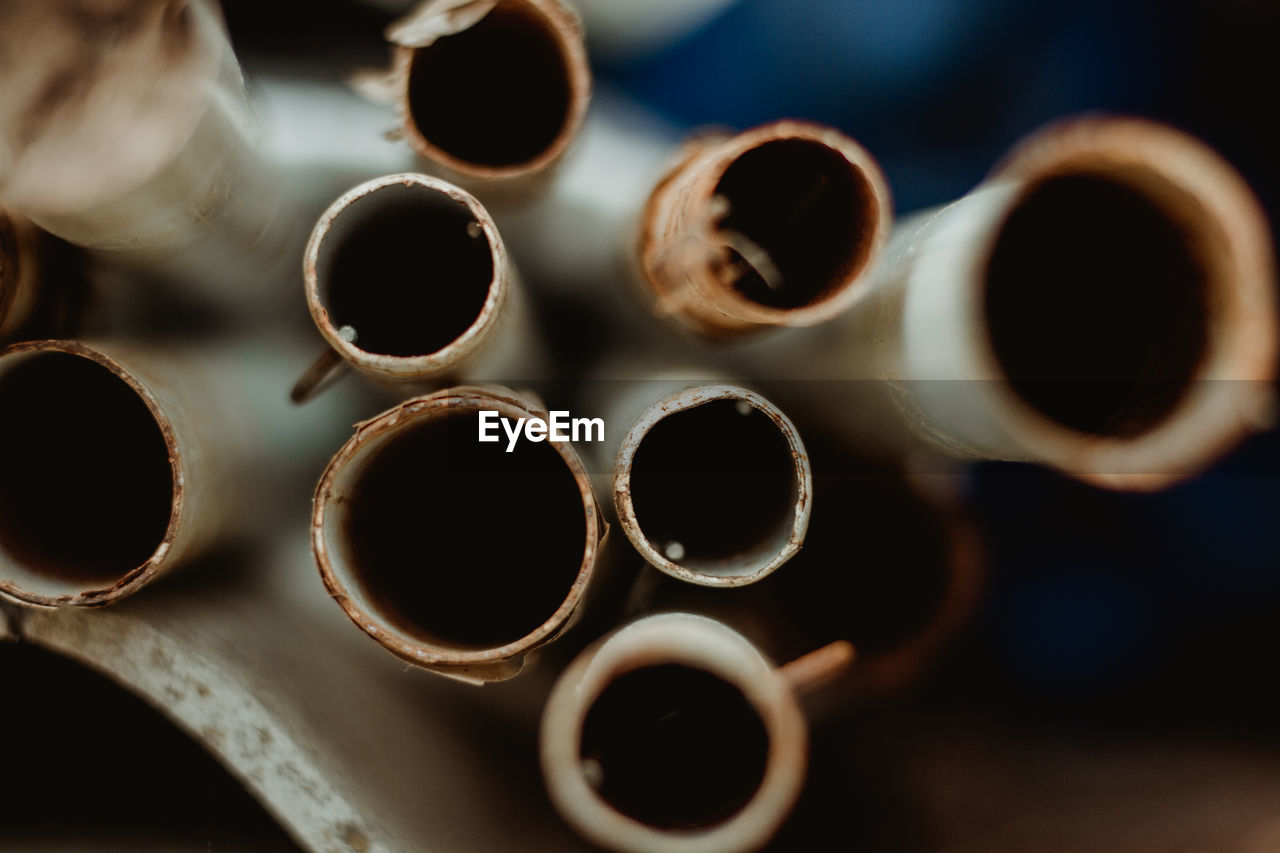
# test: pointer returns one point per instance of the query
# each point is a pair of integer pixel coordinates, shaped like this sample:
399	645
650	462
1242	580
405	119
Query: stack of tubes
765	528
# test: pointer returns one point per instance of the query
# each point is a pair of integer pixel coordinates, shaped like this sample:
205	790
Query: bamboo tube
1102	304
675	734
711	481
126	462
124	127
490	92
369	268
456	555
775	226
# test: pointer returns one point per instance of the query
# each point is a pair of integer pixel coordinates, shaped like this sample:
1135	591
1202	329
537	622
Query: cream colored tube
127	461
674	734
490	92
124	127
457	555
409	282
1102	304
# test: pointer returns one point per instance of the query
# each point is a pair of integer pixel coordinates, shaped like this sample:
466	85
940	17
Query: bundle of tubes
744	535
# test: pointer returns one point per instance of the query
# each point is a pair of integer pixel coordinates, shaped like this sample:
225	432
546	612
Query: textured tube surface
458	598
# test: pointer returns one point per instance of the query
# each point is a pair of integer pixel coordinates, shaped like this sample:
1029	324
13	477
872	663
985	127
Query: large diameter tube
409	281
455	554
673	734
490	92
1102	304
124	126
711	482
123	462
775	226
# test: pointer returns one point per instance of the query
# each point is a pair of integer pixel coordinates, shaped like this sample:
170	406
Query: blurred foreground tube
124	126
124	461
775	226
490	92
408	280
457	555
711	481
674	734
1102	304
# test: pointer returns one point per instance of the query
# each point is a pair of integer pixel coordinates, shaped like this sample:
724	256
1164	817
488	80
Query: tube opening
497	94
801	222
1097	299
458	543
714	487
87	491
405	269
674	747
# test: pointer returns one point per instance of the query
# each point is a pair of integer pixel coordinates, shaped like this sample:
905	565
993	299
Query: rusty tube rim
138	577
1227	397
564	24
425	365
686	400
346	465
701	643
692	183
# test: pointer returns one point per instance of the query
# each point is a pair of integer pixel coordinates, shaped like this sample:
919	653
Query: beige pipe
1102	304
125	461
675	734
775	226
490	92
455	555
711	481
409	282
124	126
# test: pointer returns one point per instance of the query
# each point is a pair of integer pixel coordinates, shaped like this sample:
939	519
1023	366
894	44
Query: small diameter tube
408	280
1102	304
490	92
124	462
674	734
712	483
454	554
775	226
124	126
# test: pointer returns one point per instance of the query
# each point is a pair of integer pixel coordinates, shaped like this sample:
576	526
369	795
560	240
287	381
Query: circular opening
714	487
496	94
87	490
1097	301
674	747
459	543
406	269
801	222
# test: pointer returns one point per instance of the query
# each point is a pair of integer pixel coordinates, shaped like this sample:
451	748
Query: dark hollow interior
809	209
460	543
86	489
676	747
404	272
1096	302
719	482
495	94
